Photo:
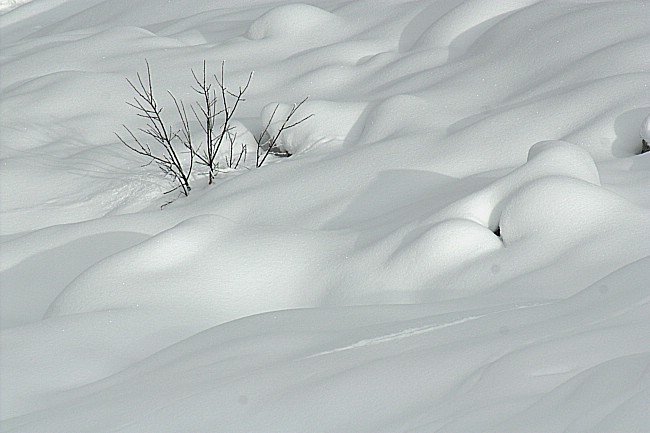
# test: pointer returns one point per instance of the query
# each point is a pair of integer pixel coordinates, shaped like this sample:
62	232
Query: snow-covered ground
459	242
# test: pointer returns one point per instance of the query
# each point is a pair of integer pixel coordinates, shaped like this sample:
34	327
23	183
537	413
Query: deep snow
459	241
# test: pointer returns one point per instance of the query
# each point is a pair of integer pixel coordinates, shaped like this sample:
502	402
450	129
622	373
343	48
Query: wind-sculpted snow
7	5
457	242
293	21
579	363
544	211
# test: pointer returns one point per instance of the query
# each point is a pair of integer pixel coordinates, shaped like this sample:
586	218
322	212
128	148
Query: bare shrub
267	143
162	133
175	151
214	103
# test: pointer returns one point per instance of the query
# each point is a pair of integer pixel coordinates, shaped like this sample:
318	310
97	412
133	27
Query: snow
331	124
458	241
6	5
292	21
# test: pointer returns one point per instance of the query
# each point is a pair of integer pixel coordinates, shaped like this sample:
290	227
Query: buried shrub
166	138
645	135
212	105
268	145
175	151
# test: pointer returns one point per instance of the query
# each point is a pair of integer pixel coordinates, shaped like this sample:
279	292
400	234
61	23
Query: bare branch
160	132
272	142
174	149
215	102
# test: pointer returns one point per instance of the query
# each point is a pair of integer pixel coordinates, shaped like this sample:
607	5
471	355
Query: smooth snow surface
458	242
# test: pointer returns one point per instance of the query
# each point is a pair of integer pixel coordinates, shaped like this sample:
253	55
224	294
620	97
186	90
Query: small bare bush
266	142
217	102
166	138
174	149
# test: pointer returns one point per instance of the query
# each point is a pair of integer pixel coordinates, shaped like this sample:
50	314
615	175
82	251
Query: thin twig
285	126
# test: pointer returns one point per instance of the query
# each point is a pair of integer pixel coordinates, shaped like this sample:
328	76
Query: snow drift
458	241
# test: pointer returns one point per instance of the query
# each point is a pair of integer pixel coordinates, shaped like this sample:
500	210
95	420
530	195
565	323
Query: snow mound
562	210
234	275
37	281
330	125
445	246
463	222
536	211
464	17
546	158
385	119
294	20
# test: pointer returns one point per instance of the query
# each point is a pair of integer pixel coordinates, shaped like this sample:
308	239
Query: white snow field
459	241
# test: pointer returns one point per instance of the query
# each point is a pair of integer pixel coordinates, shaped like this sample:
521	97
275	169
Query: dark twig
286	124
160	132
209	109
214	113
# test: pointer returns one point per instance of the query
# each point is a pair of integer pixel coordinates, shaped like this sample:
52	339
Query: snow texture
458	241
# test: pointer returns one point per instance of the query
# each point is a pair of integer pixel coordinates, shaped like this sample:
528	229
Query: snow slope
459	241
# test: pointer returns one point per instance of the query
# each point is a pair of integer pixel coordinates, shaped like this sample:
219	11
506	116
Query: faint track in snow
406	333
411	332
